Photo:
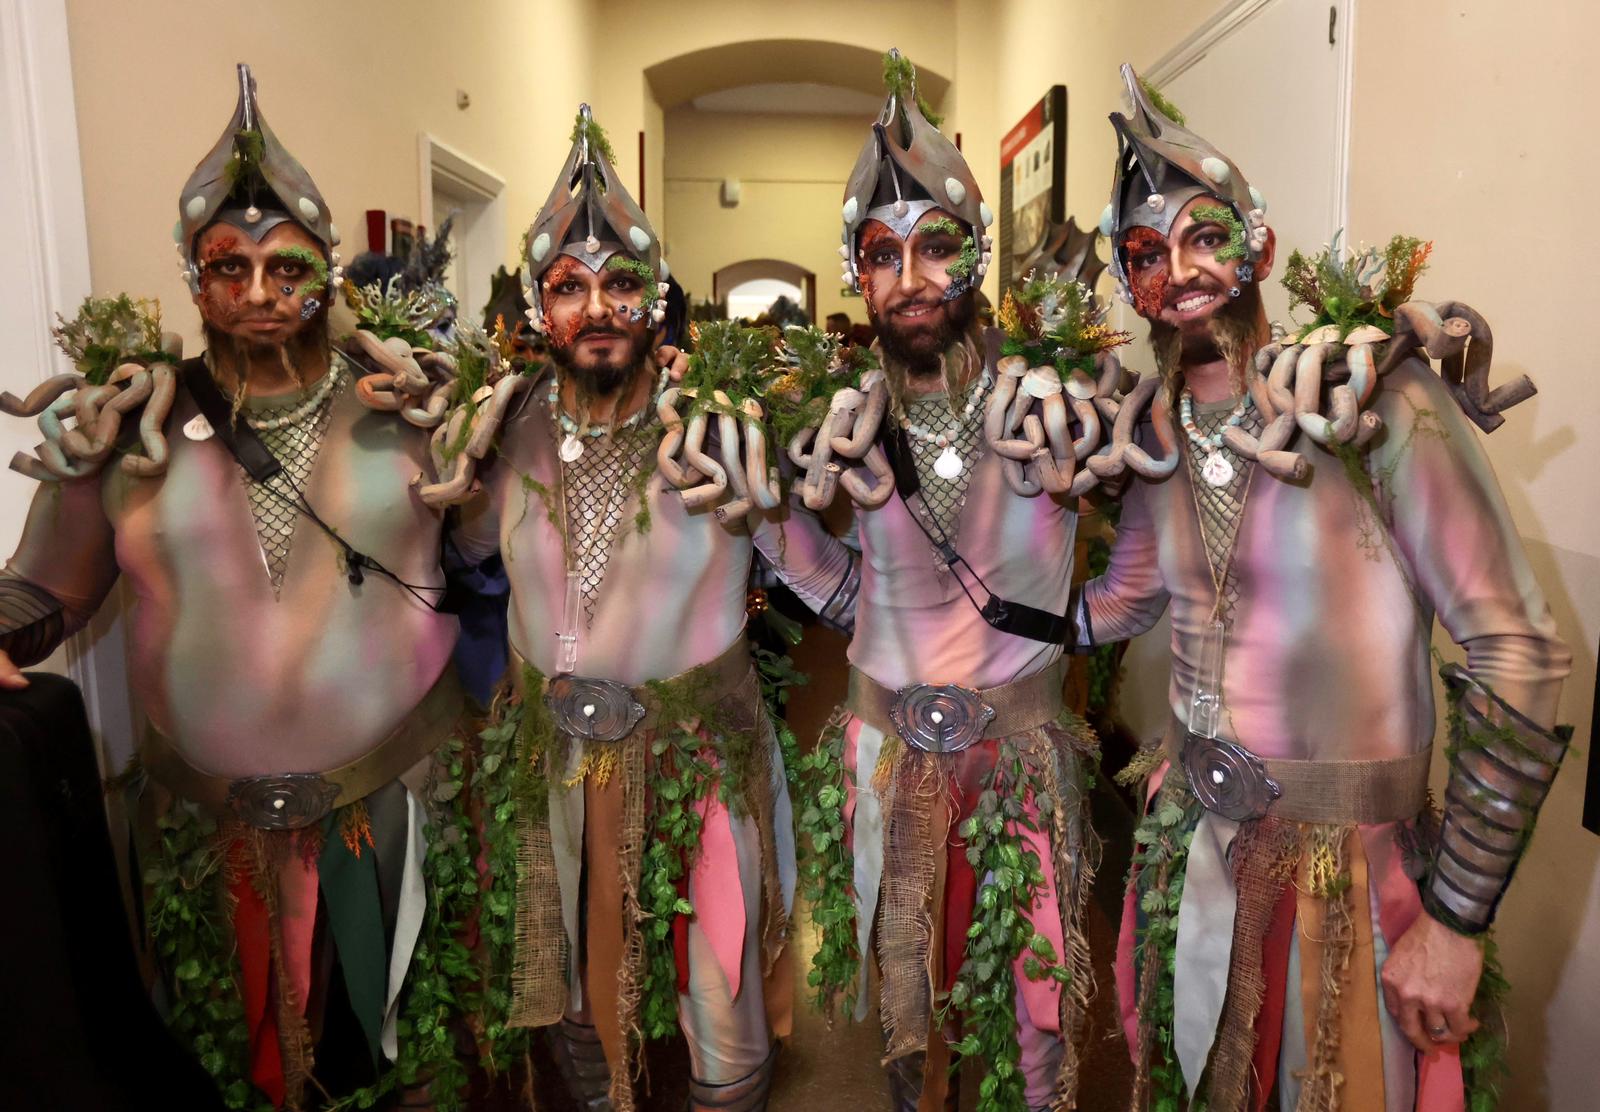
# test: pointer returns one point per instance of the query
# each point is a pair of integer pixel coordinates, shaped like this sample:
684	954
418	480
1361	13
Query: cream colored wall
638	34
1469	120
792	171
347	87
1468	117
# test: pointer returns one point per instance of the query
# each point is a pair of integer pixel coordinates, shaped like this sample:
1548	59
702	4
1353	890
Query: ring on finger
1439	1033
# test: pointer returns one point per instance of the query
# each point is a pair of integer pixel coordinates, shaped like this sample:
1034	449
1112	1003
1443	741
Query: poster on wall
1033	181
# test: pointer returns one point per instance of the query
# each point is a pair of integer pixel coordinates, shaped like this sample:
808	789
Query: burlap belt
602	710
291	800
1232	781
945	718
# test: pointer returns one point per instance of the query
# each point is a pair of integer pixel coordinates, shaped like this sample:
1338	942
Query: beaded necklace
1217	469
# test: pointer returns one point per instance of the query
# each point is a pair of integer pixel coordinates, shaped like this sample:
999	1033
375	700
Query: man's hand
673	361
11	677
1429	982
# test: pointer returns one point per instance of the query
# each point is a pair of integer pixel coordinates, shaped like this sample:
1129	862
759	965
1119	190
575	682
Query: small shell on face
308	208
1215	169
1156	202
1106	218
1257	199
955	191
540	247
639	238
196	206
985	213
1041	382
850	210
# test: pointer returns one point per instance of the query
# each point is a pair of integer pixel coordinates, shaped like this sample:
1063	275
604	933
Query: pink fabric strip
716	890
1042	997
1127	990
297	914
1439	1084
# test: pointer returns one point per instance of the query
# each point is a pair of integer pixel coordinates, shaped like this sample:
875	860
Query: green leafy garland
1483	1056
1356	289
186	880
1161	851
681	773
445	985
984	993
1222	214
109	331
827	874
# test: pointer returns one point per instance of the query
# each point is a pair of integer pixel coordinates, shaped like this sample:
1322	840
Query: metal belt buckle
285	801
940	718
594	710
1228	779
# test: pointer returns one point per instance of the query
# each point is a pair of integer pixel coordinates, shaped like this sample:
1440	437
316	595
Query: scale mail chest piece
593	709
1228	779
940	718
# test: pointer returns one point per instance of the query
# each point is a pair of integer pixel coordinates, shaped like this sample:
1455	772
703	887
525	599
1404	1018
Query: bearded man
1275	938
958	774
286	646
656	822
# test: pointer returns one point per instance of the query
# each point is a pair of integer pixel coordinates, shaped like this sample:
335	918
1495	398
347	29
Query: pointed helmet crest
905	169
250	179
1161	166
591	217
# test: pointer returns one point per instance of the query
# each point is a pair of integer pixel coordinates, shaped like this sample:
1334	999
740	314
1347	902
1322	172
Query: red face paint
875	236
1148	283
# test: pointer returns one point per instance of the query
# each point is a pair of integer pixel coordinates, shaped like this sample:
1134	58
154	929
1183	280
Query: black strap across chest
1016	618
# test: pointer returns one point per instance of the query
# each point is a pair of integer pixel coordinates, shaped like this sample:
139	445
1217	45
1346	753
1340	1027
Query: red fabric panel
253	933
1275	946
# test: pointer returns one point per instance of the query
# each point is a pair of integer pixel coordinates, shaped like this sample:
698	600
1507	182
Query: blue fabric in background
479	595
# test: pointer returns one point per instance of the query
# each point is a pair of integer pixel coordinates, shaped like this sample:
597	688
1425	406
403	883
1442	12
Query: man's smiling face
903	282
1183	279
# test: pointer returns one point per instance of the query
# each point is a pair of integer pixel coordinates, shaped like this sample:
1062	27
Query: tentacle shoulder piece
463	393
826	404
1055	395
729	374
125	366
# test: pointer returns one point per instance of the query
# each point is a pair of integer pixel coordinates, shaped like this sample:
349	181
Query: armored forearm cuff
31	621
839	612
1501	767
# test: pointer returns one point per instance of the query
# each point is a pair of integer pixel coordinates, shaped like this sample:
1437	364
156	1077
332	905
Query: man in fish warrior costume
299	785
948	789
653	813
1299	919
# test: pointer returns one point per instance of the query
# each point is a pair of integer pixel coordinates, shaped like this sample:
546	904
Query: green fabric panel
350	892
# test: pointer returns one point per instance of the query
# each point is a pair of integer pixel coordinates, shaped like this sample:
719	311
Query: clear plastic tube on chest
1205	710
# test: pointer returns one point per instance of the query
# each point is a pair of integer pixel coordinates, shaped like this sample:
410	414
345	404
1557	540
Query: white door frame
439	162
1234	15
36	95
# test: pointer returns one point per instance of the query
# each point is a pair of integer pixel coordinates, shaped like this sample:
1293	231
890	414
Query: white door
1268	83
455	184
44	270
